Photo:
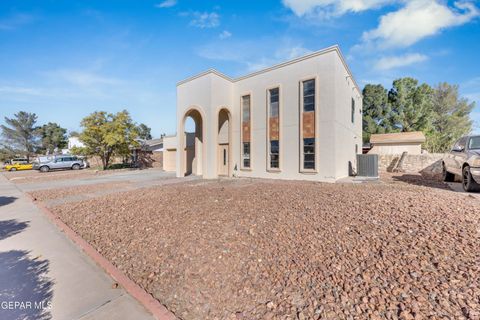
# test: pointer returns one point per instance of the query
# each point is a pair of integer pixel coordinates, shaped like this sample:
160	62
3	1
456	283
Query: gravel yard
256	249
53	194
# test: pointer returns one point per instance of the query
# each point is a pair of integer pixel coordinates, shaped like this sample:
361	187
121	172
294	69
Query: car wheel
447	176
44	169
468	183
13	169
76	167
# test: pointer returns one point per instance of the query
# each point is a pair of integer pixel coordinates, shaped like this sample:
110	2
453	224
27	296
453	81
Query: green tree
377	113
6	153
411	105
107	135
451	118
21	133
52	137
144	132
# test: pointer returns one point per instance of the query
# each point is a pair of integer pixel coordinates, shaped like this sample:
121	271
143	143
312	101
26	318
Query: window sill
274	170
245	169
308	171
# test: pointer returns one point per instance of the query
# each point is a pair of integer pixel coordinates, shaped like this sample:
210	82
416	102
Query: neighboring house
73	142
397	143
301	119
154	145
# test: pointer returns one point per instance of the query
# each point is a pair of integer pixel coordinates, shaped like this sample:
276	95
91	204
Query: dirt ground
405	248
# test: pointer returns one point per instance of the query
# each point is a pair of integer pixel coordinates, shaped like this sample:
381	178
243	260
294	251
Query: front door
223	160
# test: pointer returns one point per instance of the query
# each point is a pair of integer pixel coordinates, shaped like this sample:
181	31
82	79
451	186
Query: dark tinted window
309	153
309	95
246	154
353	110
274	102
274	154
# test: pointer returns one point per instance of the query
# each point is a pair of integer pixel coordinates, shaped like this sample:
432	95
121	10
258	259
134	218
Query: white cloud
15	21
419	19
225	34
204	20
83	78
22	90
167	4
391	62
332	7
253	55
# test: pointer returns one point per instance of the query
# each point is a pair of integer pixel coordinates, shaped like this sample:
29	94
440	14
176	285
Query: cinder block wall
429	164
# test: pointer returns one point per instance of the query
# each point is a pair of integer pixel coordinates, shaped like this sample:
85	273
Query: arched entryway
192	143
223	143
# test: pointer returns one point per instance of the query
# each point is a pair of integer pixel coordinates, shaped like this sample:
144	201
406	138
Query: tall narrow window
307	142
246	124
274	128
353	110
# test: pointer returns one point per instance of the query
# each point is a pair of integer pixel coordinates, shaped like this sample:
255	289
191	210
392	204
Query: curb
159	311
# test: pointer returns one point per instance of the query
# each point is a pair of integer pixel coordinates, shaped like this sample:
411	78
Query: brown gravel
246	249
51	194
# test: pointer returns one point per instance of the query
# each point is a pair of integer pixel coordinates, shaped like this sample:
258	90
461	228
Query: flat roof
335	48
398	137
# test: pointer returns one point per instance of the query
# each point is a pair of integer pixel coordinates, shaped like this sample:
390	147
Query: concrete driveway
148	177
43	275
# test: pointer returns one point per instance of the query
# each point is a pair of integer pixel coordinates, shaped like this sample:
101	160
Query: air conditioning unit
367	165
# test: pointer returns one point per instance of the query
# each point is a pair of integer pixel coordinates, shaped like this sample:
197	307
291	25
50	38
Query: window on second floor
273	124
353	110
246	131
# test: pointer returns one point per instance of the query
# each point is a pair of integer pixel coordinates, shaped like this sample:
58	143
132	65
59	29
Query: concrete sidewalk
43	275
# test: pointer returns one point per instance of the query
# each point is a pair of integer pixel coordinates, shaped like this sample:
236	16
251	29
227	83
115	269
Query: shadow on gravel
6	200
422	181
10	228
25	289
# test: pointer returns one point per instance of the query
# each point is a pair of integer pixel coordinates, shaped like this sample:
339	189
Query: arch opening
192	142
223	143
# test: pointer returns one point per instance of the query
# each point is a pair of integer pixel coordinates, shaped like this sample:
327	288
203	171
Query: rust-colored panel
246	131
309	124
274	129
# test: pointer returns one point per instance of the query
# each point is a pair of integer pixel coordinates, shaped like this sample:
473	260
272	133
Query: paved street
43	275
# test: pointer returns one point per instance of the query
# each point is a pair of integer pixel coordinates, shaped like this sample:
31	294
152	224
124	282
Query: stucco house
397	143
73	142
301	119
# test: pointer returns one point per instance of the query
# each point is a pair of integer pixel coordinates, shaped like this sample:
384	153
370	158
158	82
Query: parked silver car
464	161
47	163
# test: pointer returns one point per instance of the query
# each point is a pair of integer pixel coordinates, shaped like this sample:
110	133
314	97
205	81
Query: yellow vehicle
18	166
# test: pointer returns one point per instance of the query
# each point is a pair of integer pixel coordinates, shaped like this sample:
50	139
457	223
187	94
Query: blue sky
66	59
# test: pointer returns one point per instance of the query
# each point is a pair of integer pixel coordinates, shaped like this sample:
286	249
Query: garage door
169	159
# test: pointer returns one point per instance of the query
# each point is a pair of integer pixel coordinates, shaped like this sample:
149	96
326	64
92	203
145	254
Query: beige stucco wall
169	160
336	136
397	148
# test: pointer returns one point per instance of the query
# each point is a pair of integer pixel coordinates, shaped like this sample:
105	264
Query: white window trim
316	111
241	132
